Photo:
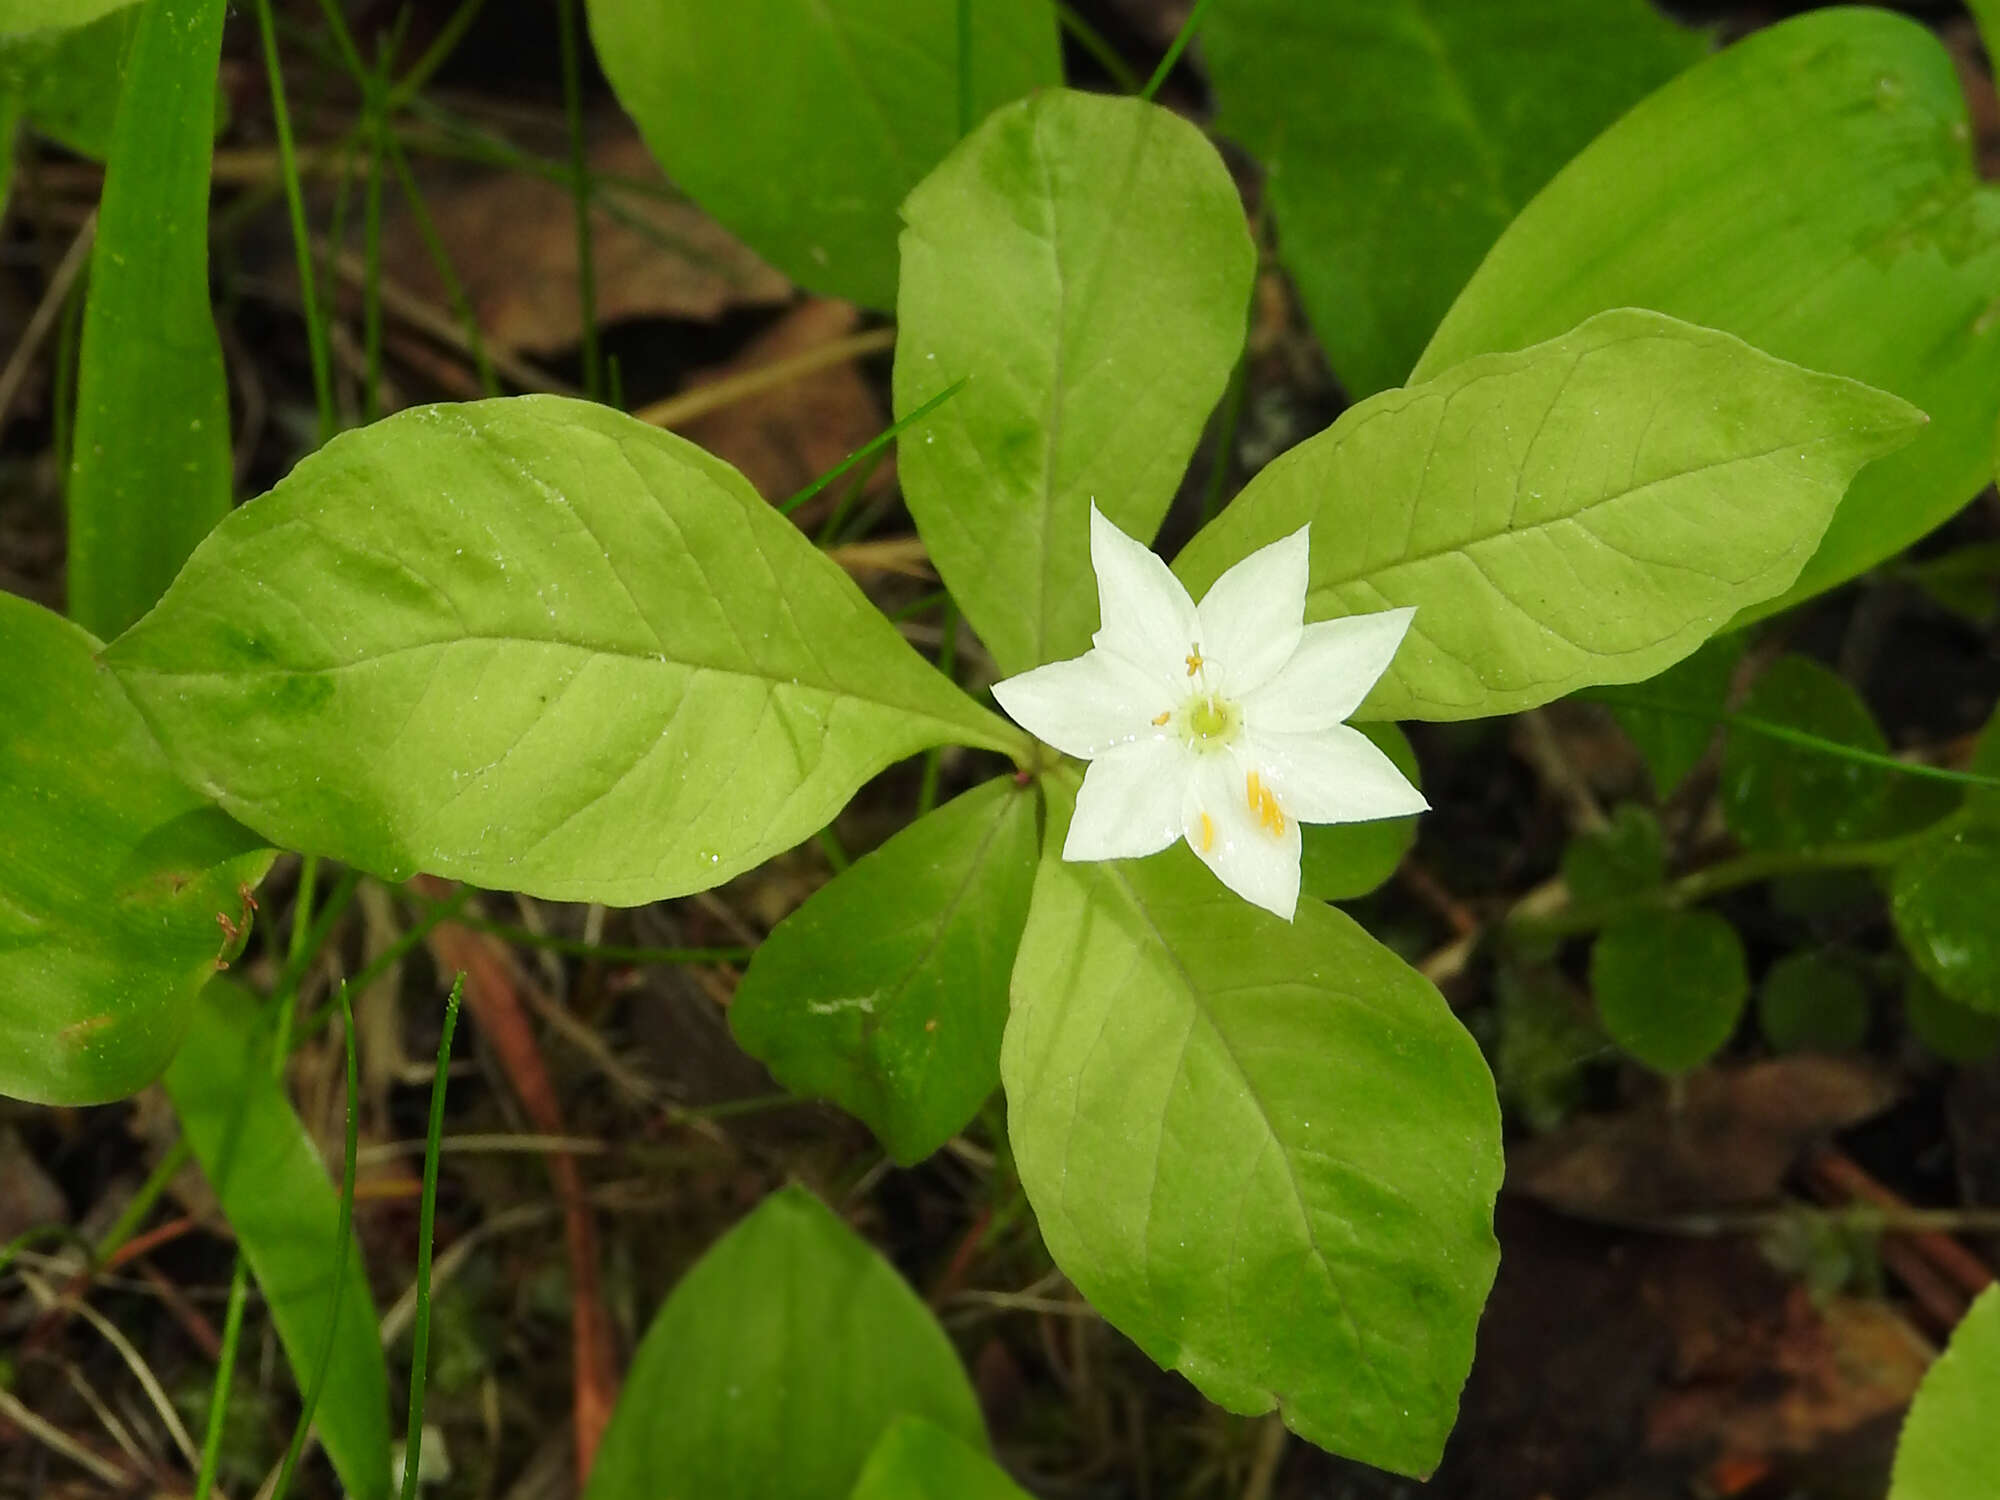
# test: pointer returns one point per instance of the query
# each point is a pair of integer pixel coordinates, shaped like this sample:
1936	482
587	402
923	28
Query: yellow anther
1194	662
1207	833
1164	717
1263	805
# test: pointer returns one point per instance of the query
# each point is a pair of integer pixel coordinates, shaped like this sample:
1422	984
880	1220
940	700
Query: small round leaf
1670	986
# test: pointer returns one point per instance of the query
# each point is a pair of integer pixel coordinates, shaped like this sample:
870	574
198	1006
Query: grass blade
151	468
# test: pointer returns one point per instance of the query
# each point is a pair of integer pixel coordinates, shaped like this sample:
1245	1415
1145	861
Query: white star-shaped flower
1220	723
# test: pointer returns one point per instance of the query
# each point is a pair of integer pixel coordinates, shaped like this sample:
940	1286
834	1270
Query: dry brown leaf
784	438
1727	1142
1763	1388
511	239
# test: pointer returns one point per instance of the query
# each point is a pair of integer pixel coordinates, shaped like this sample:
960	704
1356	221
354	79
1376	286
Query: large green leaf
1265	1150
887	991
282	1206
1947	1450
775	1367
17	16
800	124
112	879
151	472
1586	511
1811	190
532	644
1082	264
918	1460
1400	137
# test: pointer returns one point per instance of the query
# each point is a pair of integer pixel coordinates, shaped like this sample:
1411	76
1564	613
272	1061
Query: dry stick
503	1021
148	1381
704	399
57	1440
426	319
45	314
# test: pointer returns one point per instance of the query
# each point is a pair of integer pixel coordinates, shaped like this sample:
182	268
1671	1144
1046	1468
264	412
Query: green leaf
285	1212
1777	795
801	124
1811	190
887	991
114	875
1547	1038
1954	1032
1812	1002
1943	898
1082	263
1628	857
535	645
775	1367
1947	1450
1443	117
72	79
918	1460
1346	861
151	472
12	107
1266	1151
1673	742
19	16
1586	511
1670	986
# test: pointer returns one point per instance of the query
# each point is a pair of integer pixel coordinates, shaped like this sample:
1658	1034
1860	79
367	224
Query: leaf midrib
1196	997
665	663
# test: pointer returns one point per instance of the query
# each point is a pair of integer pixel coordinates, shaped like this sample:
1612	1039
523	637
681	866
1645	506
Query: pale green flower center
1208	722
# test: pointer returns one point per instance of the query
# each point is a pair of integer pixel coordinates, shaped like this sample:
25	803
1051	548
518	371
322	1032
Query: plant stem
1726	875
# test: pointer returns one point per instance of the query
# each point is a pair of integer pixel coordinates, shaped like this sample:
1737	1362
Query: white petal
1334	776
1130	803
1259	865
1086	705
1250	621
1337	662
1143	613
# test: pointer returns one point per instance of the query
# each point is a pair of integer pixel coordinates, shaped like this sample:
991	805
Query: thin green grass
580	194
872	447
1092	41
225	1375
420	1331
1181	40
316	329
1798	737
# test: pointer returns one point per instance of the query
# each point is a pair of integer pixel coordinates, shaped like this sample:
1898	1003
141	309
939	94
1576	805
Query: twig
57	1440
45	314
699	402
148	1381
